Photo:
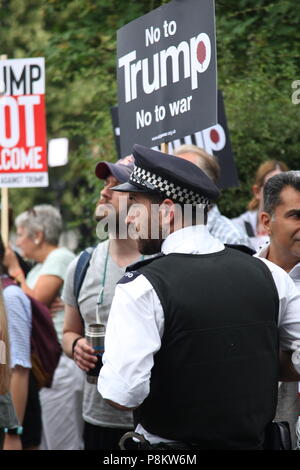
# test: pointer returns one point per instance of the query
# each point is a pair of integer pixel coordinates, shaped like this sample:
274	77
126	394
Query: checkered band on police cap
177	193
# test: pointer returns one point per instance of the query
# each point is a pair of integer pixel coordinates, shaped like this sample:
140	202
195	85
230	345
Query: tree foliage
258	59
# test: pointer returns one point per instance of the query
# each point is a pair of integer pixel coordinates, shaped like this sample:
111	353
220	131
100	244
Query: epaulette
144	262
132	271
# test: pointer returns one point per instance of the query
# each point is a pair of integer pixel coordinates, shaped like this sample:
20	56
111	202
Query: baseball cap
121	170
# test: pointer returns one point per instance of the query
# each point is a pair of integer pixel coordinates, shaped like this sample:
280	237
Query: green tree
258	59
78	40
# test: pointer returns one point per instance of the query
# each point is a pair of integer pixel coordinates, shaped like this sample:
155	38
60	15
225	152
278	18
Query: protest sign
215	140
23	149
167	74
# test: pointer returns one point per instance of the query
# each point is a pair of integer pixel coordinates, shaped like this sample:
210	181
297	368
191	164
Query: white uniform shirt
294	273
136	324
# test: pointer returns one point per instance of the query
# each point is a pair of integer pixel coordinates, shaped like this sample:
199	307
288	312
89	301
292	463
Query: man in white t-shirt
281	219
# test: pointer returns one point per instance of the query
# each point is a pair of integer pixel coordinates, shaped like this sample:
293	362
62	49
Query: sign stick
4	204
164	147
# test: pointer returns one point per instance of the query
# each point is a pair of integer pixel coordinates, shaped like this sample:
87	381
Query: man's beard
149	247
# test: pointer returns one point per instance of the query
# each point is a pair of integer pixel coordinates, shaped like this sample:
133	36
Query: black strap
144	262
249	229
80	271
243	248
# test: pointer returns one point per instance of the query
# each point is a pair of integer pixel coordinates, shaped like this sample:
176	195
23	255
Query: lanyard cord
102	284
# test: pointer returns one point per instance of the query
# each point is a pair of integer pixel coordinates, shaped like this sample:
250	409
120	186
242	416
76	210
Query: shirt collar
263	251
294	273
191	239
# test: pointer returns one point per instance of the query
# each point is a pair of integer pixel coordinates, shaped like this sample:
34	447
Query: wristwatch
17	430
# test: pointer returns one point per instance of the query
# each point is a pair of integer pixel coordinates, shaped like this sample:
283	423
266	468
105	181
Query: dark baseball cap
121	170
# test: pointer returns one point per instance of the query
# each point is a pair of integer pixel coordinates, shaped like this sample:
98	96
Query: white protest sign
23	147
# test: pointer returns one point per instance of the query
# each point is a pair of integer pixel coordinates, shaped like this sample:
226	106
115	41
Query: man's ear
265	219
166	209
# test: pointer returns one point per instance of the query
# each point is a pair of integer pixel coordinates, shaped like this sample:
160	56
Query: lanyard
102	284
101	291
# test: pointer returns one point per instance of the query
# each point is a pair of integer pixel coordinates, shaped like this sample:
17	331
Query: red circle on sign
214	136
201	52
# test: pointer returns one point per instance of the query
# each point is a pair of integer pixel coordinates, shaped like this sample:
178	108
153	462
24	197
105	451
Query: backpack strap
81	269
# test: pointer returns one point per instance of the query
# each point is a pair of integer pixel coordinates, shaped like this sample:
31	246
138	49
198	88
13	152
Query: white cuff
111	387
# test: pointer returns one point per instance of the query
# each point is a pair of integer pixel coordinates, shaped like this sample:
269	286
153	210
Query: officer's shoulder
240	249
129	276
133	270
144	262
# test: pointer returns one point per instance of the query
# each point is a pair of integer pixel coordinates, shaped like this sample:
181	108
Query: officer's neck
123	252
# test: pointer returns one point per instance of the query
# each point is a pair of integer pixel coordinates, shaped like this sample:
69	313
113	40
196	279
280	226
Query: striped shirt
18	310
224	230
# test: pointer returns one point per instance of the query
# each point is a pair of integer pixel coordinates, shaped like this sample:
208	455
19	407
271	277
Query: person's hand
12	442
84	355
11	262
56	306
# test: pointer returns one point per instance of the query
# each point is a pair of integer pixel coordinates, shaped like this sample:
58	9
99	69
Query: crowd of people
193	303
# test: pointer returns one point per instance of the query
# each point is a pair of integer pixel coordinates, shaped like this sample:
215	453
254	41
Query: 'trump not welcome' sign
23	157
167	74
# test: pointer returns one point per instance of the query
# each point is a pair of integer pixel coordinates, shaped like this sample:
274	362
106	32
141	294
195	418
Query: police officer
192	337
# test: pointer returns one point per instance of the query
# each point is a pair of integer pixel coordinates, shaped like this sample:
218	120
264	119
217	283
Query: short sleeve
57	263
19	314
68	290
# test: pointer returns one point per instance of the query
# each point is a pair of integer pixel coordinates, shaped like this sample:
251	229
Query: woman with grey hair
38	233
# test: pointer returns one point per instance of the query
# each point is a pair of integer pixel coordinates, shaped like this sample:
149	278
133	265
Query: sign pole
164	147
4	203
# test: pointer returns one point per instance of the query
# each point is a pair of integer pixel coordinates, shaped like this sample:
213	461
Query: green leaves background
258	59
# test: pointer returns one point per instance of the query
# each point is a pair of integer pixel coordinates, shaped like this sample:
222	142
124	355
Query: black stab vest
214	380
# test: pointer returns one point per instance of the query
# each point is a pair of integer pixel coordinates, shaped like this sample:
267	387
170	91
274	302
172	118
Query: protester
38	232
4	347
281	221
218	225
103	425
25	432
8	418
196	321
250	221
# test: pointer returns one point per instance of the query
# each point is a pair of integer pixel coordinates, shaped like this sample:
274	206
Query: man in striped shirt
218	225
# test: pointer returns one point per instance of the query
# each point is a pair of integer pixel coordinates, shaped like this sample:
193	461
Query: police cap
173	177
